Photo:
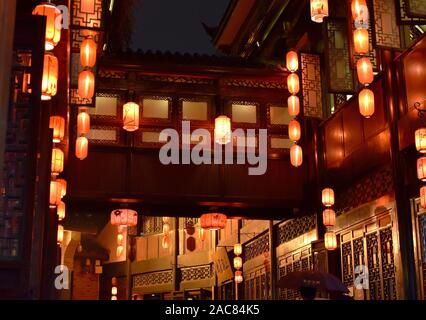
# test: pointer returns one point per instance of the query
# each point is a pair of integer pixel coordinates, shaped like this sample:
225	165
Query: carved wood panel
311	85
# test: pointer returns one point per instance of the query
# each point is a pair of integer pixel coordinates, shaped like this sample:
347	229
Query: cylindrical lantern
222	130
124	217
57	123
293	104
53	23
63	184
296	155
57	164
293	83
319	10
119	251
86	84
366	102
364	70
166	228
55	194
238	276
292	61
294	130
421	168
165	242
423	197
114	291
88	53
114	298
238	263
131	116
213	221
238	249
330	240
83	123
81	148
60	237
361	43
60	211
202	234
329	217
420	138
120	239
49	83
359	11
327	197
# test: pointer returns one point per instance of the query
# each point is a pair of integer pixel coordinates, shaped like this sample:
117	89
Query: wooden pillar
176	277
407	270
273	257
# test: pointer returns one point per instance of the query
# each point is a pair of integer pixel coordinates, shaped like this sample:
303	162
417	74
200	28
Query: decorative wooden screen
386	30
311	85
411	12
419	222
256	284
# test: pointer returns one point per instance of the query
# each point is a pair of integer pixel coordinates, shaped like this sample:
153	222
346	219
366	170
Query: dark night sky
175	25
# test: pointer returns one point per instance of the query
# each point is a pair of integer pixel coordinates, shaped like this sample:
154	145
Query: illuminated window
155	108
242	113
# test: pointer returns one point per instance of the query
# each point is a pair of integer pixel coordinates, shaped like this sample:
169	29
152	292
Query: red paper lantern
213	221
124	217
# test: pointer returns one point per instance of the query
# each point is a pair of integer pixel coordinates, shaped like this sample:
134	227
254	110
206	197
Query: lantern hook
420	110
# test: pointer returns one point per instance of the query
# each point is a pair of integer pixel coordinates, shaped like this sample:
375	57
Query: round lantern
213	221
57	165
238	249
421	168
53	25
293	84
88	53
329	217
293	104
327	197
330	240
60	237
81	148
49	83
114	291
222	130
55	194
364	70
361	43
166	228
292	61
366	103
124	217
83	123
294	130
131	116
63	184
423	197
165	242
119	251
61	211
120	239
202	234
319	10
238	276
420	139
296	155
238	263
359	12
86	84
57	123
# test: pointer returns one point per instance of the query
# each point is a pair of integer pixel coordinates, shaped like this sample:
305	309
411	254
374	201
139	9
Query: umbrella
312	279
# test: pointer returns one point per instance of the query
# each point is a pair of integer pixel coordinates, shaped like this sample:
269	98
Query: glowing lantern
423	197
49	83
222	130
366	102
166	219
81	148
83	123
294	130
60	237
114	298
58	125
53	23
114	291
119	251
238	249
420	137
165	242
293	84
238	276
296	155
361	43
364	70
61	211
131	116
120	239
57	165
213	221
329	217
293	104
330	240
86	84
327	197
319	10
292	61
55	194
359	11
238	263
166	228
124	217
421	168
202	234
63	184
88	53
